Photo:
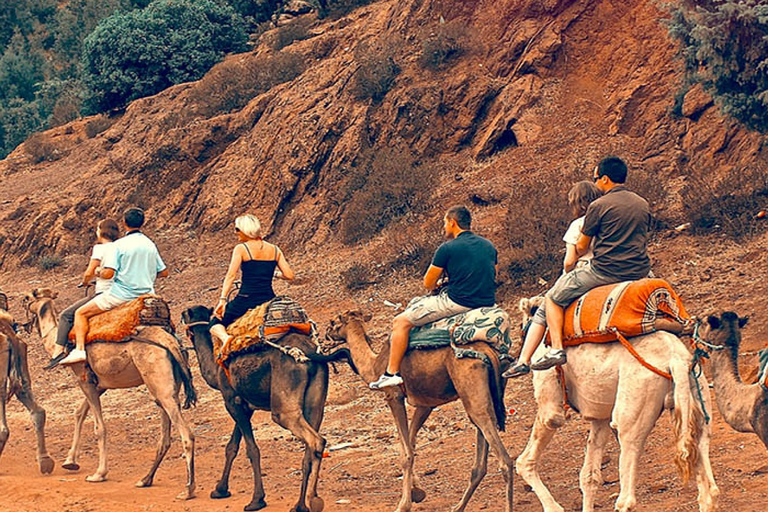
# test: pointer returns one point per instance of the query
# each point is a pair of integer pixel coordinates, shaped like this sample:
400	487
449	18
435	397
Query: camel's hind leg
230	452
591	477
420	415
396	403
92	395
38	420
5	368
74	451
478	471
314	410
162	449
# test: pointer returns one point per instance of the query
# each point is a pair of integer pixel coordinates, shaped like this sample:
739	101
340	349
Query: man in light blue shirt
134	264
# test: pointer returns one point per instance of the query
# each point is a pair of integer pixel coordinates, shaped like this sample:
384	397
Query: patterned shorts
426	309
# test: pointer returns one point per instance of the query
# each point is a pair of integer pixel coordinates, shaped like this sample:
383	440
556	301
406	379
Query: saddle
119	323
490	325
265	323
763	369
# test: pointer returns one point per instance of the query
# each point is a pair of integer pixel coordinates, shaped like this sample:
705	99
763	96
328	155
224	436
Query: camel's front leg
478	471
705	479
37	414
591	477
396	404
74	451
5	367
420	415
230	452
242	415
92	395
162	449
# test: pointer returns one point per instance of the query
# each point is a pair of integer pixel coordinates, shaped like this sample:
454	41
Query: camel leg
591	477
74	451
242	416
37	414
5	367
162	449
478	471
93	396
705	478
314	410
420	415
233	446
397	406
527	462
166	393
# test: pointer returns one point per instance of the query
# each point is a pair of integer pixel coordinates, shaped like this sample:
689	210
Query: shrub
40	147
340	8
725	47
357	277
232	84
17	120
97	125
443	44
296	30
140	53
388	186
375	74
50	261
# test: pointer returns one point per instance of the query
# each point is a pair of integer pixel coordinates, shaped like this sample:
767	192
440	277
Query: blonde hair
249	225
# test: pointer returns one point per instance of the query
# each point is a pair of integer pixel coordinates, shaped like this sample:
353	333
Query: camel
612	390
156	362
15	380
268	380
744	406
432	378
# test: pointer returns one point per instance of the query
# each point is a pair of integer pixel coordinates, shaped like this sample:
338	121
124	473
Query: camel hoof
96	478
216	494
255	505
316	504
144	482
71	466
418	495
46	465
186	495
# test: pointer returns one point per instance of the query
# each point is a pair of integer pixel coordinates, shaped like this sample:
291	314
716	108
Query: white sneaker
386	381
76	356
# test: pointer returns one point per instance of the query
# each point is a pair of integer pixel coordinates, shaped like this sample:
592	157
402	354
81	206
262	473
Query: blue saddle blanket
490	325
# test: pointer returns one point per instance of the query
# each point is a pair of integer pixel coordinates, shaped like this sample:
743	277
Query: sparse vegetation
296	30
376	72
443	44
49	261
97	125
40	147
357	277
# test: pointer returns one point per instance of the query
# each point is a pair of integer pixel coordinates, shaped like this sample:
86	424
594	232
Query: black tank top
257	278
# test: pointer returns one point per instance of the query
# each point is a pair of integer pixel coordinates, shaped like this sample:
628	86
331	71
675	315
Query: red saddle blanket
629	308
121	322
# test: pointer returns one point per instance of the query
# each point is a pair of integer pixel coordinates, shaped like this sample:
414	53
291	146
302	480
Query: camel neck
362	354
205	358
48	323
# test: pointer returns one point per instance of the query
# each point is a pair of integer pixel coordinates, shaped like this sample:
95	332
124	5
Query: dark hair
461	215
581	195
613	167
109	229
134	217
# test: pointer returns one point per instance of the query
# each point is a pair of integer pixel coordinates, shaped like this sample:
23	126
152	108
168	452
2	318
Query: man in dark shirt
469	262
618	222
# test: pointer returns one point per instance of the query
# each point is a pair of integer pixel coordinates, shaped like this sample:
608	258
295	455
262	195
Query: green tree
21	69
140	53
725	47
17	120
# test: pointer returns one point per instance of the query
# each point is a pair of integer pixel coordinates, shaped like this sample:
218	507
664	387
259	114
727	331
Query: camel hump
121	322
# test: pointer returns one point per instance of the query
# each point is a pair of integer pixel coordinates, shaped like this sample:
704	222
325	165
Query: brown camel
156	362
268	380
15	380
432	378
744	406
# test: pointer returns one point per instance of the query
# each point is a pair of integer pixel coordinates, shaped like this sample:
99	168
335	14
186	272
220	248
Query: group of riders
605	244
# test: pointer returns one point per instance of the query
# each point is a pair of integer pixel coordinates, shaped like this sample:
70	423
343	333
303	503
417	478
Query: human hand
219	309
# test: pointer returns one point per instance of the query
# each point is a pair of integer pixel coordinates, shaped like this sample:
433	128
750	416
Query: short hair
249	225
613	167
109	229
581	195
461	215
134	217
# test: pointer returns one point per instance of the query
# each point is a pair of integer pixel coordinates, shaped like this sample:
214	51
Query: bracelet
222	299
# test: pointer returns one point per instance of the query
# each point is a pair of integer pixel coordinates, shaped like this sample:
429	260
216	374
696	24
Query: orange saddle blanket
121	322
629	308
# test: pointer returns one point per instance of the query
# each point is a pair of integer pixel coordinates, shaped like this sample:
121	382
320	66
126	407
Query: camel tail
336	355
497	394
688	419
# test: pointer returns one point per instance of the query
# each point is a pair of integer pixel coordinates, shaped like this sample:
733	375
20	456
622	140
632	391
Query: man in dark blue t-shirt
469	263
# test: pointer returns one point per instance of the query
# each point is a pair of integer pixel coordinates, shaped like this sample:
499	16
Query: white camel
611	389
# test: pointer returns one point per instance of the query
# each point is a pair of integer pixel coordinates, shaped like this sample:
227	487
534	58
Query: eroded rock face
544	85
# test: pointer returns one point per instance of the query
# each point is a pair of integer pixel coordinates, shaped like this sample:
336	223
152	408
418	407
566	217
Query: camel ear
523	306
713	321
743	321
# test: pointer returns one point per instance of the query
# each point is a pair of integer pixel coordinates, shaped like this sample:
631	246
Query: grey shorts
426	309
576	283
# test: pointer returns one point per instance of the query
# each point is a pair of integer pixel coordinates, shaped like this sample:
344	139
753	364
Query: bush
17	120
340	8
390	185
725	47
357	277
232	84
49	262
97	125
296	30
375	74
140	53
442	45
40	147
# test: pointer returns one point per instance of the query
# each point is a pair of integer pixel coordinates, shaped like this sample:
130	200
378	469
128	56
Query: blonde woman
257	260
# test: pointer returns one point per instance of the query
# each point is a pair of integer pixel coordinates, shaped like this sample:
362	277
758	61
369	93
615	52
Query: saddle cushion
763	372
121	322
268	322
490	325
630	307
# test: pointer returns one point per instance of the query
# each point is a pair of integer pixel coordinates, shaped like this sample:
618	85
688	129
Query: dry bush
357	277
376	71
97	125
49	262
341	8
414	248
729	205
388	186
296	30
648	185
42	149
447	42
232	84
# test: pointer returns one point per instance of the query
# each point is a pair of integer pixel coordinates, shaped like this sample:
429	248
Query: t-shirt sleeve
160	263
110	258
591	220
574	230
98	252
440	259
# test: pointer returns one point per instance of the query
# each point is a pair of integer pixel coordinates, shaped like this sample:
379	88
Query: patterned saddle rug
763	372
490	325
624	309
267	322
121	322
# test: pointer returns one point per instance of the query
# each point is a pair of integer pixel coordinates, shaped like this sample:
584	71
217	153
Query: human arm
569	262
432	277
229	279
163	273
90	272
582	245
284	270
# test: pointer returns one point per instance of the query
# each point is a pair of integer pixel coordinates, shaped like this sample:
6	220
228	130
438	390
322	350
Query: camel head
196	315
37	303
725	330
336	333
528	307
